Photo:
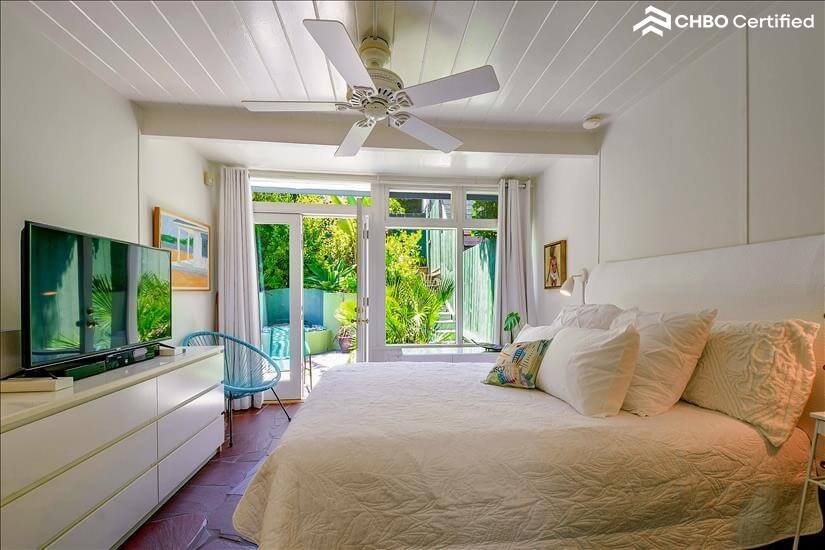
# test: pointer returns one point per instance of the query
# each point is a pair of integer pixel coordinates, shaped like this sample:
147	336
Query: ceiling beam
175	120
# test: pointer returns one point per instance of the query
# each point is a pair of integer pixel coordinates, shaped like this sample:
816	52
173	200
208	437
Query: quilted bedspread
423	455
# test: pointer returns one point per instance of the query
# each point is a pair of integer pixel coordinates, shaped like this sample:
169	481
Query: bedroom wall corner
69	156
73	157
565	206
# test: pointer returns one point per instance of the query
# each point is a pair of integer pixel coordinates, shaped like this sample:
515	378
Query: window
308	191
307	198
440	250
482	206
479	285
420	204
420	292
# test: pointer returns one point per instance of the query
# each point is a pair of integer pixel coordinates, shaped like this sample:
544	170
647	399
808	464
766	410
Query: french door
286	324
362	311
279	244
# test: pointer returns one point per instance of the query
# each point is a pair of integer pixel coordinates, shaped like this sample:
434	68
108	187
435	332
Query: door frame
294	387
362	290
263	212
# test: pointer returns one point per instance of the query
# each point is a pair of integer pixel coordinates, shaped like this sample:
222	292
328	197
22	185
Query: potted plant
511	322
346	337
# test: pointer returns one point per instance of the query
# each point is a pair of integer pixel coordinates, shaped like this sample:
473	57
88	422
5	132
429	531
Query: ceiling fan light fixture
375	52
378	93
592	122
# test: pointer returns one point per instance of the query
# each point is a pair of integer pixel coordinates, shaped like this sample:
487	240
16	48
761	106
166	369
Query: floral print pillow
518	364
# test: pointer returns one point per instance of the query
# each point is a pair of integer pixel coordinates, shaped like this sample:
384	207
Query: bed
423	455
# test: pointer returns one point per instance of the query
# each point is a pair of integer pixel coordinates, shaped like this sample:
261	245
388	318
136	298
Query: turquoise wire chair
246	369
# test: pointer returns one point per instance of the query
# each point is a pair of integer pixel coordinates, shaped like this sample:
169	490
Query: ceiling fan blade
287	106
425	133
355	138
457	86
334	40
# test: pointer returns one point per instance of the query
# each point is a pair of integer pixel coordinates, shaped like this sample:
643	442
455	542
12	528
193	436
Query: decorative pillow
586	316
590	368
669	347
518	364
760	372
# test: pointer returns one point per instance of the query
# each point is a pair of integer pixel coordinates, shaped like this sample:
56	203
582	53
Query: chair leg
230	419
289	418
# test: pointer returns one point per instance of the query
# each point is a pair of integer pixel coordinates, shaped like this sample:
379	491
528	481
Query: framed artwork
188	242
555	264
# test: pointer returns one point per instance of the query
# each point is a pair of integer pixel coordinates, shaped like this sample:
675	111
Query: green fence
479	266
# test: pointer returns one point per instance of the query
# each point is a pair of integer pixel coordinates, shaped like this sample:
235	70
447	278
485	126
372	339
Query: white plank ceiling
557	62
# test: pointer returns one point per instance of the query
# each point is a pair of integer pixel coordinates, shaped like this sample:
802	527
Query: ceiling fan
378	93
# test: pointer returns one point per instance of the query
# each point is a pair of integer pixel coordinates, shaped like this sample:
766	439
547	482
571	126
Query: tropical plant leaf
347	312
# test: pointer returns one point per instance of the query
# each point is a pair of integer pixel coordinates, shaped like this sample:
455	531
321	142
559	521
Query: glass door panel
330	293
479	285
280	279
420	291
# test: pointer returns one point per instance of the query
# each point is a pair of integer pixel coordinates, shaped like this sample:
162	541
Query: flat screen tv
86	296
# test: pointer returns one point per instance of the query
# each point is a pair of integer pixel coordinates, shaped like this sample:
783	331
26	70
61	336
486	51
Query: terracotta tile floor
199	516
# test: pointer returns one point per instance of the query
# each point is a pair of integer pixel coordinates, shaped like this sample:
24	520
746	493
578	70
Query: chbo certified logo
658	21
655	22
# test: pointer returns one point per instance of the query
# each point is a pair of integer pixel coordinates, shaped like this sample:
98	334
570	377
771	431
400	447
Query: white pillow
590	369
585	316
588	316
760	372
669	347
531	333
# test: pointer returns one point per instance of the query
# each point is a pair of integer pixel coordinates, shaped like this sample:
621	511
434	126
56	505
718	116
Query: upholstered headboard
765	281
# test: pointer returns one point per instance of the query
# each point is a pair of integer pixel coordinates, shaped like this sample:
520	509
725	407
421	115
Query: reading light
570	283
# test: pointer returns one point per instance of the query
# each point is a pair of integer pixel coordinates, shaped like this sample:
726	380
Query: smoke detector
592	122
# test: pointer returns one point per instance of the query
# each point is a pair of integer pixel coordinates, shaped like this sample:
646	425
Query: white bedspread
422	455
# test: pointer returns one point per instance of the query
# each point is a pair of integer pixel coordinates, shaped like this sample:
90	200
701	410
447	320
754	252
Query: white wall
786	128
674	166
70	156
171	176
728	151
565	206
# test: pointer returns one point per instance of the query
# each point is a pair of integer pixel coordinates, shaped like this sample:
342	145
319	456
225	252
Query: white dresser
84	466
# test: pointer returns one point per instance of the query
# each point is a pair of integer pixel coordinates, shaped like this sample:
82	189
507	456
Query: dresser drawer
41	514
181	424
183	384
178	466
34	451
104	527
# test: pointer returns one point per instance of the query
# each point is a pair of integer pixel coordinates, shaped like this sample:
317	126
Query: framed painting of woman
555	264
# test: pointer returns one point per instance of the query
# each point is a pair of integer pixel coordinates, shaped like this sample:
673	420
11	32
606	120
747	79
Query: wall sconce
570	284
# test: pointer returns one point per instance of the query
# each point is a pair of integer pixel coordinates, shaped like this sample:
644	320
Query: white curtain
238	313
513	270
